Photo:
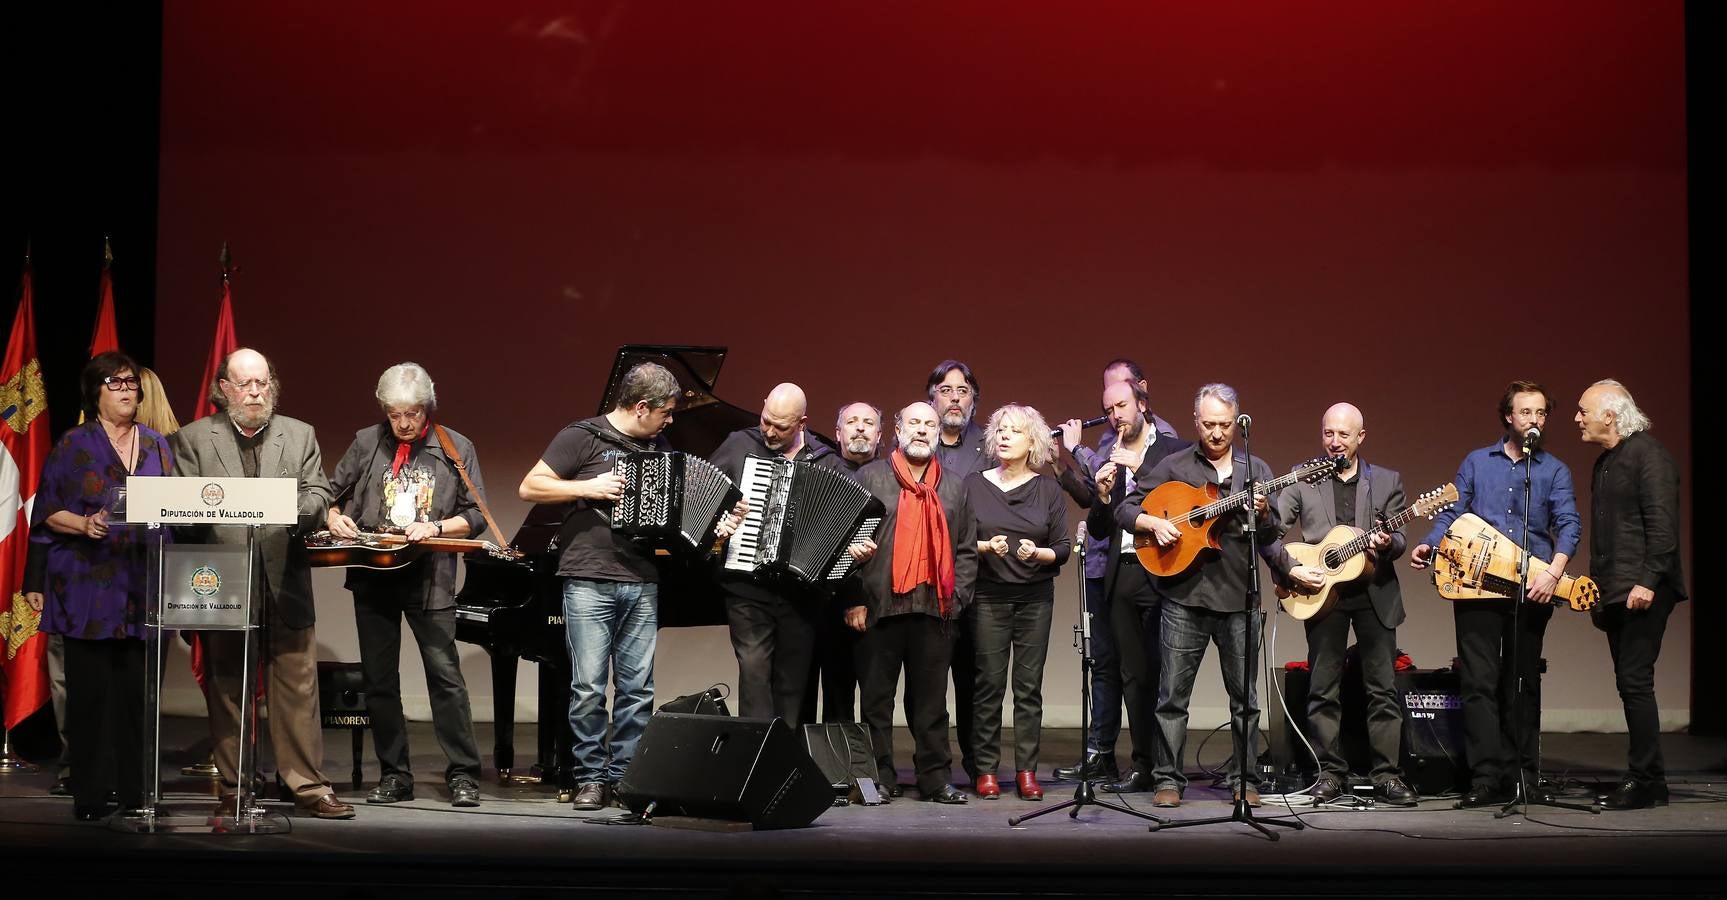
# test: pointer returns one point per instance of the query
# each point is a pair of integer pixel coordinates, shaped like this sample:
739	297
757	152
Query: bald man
245	438
773	623
1358	495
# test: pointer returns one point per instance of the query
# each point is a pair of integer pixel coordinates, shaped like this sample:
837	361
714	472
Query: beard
1134	430
250	420
917	452
1540	439
956	421
859	446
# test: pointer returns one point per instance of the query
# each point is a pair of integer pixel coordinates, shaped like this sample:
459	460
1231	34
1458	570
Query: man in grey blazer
245	438
1361	496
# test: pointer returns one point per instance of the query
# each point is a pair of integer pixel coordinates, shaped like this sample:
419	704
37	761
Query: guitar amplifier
1432	749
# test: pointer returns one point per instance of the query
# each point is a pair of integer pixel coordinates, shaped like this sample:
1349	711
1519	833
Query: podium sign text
205	587
212	501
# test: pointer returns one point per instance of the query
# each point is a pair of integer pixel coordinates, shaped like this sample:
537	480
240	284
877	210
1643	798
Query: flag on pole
223	344
106	337
23	450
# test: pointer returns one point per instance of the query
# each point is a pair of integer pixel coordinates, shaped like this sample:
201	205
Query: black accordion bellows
802	519
671	499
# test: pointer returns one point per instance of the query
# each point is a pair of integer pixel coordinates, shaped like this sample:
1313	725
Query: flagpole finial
107	251
225	259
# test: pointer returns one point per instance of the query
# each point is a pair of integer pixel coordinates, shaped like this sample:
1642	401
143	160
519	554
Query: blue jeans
1186	632
610	628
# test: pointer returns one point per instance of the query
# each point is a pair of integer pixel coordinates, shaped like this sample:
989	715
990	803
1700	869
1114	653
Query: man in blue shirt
1490	485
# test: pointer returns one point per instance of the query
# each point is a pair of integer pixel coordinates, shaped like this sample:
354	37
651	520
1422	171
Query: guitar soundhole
1331	560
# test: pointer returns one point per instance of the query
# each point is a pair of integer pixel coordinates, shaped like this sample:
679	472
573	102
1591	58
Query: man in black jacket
1634	560
773	623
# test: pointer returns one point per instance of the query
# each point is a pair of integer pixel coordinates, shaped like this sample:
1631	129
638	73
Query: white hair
1627	418
1220	392
406	384
1042	448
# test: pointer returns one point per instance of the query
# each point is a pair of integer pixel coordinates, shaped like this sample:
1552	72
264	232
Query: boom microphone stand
1083	793
1242	812
1520	693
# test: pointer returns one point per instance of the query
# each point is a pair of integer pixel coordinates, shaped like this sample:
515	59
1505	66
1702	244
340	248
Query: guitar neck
1240	499
446	545
1359	545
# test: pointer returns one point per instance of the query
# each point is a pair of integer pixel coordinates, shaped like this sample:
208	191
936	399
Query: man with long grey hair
1634	560
402	475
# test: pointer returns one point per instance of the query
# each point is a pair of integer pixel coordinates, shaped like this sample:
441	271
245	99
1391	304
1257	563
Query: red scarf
402	448
922	549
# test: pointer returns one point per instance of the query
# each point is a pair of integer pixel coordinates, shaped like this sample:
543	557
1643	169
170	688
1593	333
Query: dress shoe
1097	767
591	795
987	787
62	787
89	813
392	788
326	806
1483	795
1135	782
946	794
1329	788
892	790
1026	783
465	792
1252	797
1394	792
1166	798
1632	795
1539	792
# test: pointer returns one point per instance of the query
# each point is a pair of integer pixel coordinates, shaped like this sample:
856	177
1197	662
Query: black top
591	549
967	456
1635	513
249	450
1217	580
1035	510
1344	492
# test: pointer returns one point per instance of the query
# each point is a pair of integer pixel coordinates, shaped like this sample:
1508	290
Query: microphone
1055	433
1530	438
1244	421
1079	539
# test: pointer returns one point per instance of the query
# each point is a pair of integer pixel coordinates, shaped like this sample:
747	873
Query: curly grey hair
1628	419
1042	442
406	384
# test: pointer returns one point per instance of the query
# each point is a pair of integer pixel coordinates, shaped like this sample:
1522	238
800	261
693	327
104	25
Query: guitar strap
462	470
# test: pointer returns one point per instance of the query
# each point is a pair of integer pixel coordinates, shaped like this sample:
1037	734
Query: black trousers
773	637
1134	615
378	615
965	692
1634	637
1105	674
1327	642
1012	641
1501	695
833	669
105	720
922	647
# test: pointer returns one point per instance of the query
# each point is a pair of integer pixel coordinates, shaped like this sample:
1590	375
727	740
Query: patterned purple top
94	588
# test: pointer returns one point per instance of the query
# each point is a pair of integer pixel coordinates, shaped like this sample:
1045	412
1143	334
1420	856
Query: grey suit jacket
209	447
1311	507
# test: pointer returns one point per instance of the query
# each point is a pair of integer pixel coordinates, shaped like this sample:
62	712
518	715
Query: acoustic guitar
388	551
1473	561
1341	555
1195	511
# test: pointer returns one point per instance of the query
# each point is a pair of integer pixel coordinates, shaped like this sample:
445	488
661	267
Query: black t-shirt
1035	510
591	549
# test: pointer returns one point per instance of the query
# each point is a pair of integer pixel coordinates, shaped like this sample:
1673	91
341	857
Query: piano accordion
671	499
802	519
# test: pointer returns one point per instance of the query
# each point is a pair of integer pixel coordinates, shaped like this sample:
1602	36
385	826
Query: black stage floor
522	843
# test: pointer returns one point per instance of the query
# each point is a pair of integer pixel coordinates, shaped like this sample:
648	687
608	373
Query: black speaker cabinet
714	767
1432	754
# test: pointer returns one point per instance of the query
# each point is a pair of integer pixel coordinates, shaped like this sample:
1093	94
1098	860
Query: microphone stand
1242	812
1083	792
1521	797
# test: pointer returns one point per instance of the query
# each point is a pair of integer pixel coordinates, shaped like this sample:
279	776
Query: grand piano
515	609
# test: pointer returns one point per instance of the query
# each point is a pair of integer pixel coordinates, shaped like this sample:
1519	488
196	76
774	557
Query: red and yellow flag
224	344
24	448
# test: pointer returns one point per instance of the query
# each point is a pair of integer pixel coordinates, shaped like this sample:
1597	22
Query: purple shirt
94	589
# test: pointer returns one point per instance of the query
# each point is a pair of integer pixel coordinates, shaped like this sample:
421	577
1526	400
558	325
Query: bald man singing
773	623
1360	496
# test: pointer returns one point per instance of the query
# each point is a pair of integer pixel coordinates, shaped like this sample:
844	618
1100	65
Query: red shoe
1029	789
987	788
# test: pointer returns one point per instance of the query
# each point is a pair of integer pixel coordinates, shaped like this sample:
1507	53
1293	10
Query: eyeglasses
121	382
255	384
412	415
948	390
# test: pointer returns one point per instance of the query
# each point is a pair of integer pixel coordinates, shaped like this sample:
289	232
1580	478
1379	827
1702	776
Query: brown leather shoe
1252	797
1029	789
987	787
325	807
1166	798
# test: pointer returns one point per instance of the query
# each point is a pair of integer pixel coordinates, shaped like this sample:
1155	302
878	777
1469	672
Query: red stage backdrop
1402	205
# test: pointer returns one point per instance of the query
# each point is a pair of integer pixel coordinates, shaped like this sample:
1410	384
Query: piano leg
555	741
504	712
